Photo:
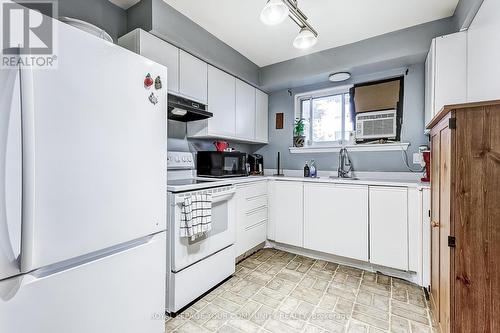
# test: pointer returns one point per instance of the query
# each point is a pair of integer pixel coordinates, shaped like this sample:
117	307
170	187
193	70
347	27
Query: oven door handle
217	197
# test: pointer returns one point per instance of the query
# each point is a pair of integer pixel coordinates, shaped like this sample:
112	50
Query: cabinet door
221	102
451	70
430	68
483	54
389	226
287	210
435	189
245	111
336	219
163	53
192	77
261	116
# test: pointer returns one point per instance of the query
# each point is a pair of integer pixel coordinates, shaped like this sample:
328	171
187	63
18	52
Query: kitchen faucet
345	165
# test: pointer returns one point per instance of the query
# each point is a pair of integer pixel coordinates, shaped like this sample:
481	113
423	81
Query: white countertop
373	179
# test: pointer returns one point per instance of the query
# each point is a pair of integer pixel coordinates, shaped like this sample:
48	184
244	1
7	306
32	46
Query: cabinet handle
434	224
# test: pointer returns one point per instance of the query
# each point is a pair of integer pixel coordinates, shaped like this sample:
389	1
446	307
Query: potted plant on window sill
298	133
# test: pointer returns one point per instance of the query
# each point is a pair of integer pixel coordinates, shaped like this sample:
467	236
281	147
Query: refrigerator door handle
28	168
10	171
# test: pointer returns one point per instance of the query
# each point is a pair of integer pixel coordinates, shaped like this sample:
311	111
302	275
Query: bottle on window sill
307	170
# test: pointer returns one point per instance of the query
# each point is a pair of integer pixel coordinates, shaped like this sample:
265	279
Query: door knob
434	224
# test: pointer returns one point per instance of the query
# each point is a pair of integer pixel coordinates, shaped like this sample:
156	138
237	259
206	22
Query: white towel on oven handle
196	215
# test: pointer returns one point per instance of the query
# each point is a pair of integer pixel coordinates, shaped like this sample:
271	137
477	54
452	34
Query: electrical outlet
417	158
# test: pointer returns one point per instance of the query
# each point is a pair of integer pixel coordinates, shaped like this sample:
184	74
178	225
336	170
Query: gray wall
101	13
177	140
412	128
167	23
465	13
400	48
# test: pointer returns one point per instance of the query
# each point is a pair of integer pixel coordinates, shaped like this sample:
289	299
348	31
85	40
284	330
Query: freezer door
123	292
10	172
94	161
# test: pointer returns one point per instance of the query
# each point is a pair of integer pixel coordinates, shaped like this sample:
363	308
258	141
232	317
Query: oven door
186	252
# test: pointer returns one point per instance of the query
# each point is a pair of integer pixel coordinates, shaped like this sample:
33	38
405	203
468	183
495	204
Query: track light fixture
276	11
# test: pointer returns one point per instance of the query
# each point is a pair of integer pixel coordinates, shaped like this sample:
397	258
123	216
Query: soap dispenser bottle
306	170
312	169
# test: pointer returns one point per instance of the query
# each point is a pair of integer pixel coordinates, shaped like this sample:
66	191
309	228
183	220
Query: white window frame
340	90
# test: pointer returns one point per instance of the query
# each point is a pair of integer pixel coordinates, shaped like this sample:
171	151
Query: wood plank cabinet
465	236
336	219
389	226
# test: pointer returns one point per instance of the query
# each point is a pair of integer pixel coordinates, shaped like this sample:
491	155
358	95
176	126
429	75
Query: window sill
351	148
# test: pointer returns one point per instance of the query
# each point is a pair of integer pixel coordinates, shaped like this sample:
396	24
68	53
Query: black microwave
221	164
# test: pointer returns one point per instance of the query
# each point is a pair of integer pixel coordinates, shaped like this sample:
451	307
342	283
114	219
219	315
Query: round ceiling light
274	12
305	39
339	77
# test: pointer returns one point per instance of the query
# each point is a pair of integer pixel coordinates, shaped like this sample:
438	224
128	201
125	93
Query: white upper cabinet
240	110
389	226
261	117
430	69
193	77
245	110
221	96
446	73
484	54
152	47
336	219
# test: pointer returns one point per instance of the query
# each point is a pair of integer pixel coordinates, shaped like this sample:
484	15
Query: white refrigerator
83	192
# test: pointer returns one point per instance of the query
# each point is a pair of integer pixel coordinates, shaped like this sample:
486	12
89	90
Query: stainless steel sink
342	178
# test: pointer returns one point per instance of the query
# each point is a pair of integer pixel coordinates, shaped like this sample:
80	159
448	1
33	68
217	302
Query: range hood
183	109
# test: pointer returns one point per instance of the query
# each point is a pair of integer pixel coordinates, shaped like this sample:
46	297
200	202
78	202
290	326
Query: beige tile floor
276	291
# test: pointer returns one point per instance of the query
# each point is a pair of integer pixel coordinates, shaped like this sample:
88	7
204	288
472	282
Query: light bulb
305	39
274	12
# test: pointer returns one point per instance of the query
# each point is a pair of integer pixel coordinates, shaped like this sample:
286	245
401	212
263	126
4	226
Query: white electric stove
195	267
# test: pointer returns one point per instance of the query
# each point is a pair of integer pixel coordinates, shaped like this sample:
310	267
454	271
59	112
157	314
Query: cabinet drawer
253	236
253	203
254	216
254	190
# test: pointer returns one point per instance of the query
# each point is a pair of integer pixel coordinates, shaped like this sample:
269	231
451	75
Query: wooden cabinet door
245	111
389	226
441	223
444	226
435	188
287	212
336	219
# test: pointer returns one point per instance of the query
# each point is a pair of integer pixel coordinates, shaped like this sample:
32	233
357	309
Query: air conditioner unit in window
376	125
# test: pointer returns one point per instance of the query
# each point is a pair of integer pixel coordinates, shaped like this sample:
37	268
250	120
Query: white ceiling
339	22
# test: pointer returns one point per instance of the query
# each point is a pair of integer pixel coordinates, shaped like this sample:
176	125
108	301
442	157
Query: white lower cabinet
389	226
287	212
336	219
252	215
